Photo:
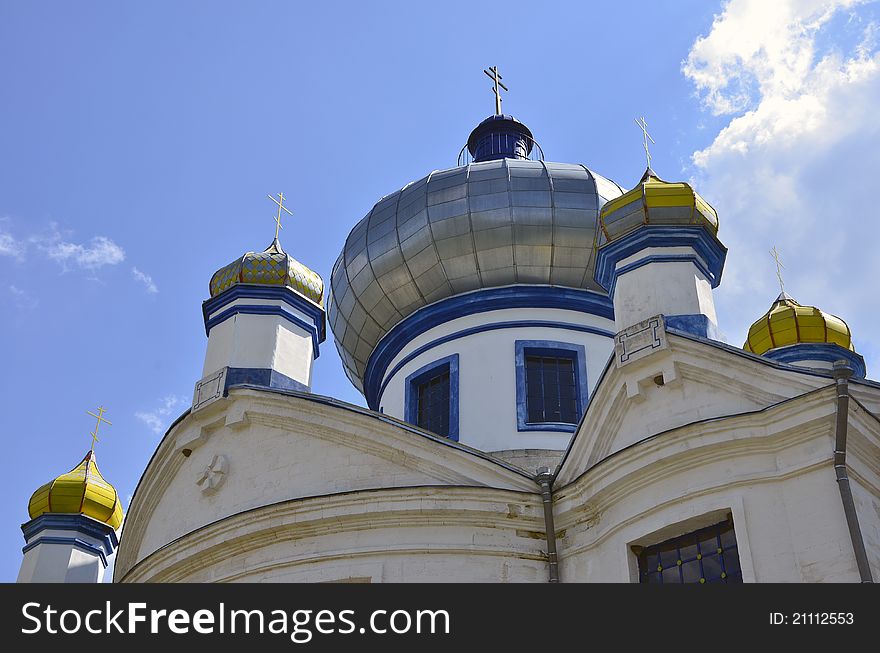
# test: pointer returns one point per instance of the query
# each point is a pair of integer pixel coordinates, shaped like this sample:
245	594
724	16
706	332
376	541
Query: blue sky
138	142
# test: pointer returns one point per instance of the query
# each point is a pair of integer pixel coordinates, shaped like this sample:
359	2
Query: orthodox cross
644	127
281	207
496	77
779	267
100	418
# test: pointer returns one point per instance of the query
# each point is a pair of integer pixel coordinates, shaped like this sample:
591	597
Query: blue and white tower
265	322
659	254
465	303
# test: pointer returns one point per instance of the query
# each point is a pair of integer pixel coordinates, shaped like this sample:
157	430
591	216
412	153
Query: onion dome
493	222
788	323
80	491
271	267
655	202
500	136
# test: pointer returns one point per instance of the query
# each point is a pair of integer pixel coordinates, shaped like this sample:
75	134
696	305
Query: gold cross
100	419
494	76
779	267
281	207
644	126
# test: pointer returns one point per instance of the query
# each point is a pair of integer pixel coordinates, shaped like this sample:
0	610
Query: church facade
549	400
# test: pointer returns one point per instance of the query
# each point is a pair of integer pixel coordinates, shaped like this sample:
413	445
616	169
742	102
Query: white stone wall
789	523
280	448
487	373
423	534
723	433
316	491
668	288
51	562
262	342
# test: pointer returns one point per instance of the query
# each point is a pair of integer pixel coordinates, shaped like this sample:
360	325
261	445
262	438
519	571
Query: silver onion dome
486	224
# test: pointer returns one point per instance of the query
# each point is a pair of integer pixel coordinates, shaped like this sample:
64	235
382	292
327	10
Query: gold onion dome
82	491
271	267
655	202
789	323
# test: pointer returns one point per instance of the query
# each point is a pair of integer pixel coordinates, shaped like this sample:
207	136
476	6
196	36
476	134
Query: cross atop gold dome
643	125
779	268
100	418
281	207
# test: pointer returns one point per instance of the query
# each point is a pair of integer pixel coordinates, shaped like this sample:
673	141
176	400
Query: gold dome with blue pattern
271	267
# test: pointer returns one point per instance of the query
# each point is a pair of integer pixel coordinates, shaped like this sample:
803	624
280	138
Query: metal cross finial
281	207
496	77
779	267
100	418
644	126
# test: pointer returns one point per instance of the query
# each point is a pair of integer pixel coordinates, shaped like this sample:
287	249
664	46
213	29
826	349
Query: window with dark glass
551	388
708	555
432	402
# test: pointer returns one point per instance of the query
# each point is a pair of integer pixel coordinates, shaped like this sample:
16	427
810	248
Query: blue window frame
551	385
431	397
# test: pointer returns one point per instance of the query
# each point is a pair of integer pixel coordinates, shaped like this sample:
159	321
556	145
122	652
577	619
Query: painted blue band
696	323
411	408
511	324
262	309
72	541
548	348
472	303
819	351
102	533
263	377
277	293
659	258
707	247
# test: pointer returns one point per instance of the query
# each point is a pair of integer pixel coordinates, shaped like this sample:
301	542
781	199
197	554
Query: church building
549	399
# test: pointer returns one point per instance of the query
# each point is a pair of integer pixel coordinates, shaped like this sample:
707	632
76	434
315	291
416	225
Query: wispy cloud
145	279
100	251
23	299
10	246
90	256
794	163
157	419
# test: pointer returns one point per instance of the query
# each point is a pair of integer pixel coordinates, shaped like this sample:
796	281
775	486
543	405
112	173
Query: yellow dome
789	323
271	267
655	202
82	491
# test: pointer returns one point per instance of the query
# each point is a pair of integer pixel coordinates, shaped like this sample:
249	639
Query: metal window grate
708	555
551	389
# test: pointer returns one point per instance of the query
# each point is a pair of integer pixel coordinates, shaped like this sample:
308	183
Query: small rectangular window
431	397
433	403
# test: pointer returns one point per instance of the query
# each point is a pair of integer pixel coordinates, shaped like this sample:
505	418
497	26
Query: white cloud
9	246
758	49
100	251
795	165
157	419
145	279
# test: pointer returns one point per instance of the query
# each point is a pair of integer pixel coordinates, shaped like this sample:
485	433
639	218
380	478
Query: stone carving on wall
213	475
